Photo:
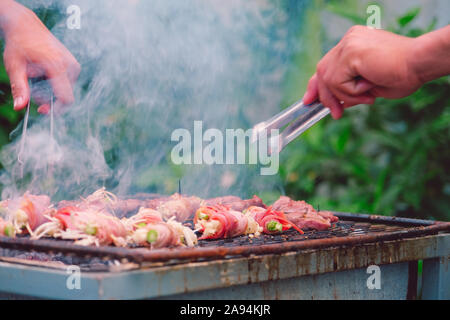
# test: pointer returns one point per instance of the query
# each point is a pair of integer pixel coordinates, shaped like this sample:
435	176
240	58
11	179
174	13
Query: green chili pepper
152	236
142	224
203	216
91	230
9	230
274	226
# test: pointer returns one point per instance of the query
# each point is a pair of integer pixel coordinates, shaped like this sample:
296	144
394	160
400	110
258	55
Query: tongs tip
305	115
257	130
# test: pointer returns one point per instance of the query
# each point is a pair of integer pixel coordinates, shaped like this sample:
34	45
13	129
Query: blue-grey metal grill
331	264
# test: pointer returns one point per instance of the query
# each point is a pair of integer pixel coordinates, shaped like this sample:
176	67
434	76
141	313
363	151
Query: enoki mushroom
102	195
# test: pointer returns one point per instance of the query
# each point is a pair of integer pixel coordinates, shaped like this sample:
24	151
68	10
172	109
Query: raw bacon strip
287	205
156	235
304	215
143	217
241	224
180	207
110	230
86	226
106	229
187	235
211	221
309	221
142	234
218	221
27	212
271	221
183	207
215	227
235	203
121	208
105	201
328	215
128	206
100	201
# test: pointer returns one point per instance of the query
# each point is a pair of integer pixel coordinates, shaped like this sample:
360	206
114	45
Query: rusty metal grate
339	229
351	230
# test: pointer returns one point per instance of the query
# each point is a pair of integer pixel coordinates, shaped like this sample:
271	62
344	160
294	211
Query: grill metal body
328	264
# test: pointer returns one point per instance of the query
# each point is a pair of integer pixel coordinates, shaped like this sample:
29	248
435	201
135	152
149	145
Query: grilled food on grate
159	222
84	226
303	215
270	220
219	221
26	213
147	228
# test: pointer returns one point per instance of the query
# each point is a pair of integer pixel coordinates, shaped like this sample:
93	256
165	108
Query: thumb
17	72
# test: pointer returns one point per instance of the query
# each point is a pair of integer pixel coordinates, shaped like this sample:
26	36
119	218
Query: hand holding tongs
307	116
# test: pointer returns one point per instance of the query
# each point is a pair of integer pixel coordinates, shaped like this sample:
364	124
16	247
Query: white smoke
150	67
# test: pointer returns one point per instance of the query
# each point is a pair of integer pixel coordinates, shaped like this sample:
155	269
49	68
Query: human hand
31	51
366	63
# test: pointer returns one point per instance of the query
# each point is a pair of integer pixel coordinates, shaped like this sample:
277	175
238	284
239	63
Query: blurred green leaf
408	17
344	9
390	158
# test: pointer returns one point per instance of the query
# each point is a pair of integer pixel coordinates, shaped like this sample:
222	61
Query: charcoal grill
329	264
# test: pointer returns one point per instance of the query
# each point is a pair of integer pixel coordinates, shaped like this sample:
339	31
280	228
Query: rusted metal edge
222	252
371	218
194	254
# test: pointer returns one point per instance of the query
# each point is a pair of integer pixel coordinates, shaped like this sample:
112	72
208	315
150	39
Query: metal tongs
25	129
305	117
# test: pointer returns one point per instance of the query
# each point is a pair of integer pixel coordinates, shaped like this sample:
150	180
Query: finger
17	72
312	93
62	88
356	87
71	66
44	109
73	71
328	100
347	101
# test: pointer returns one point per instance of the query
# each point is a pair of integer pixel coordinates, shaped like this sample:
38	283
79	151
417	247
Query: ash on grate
85	263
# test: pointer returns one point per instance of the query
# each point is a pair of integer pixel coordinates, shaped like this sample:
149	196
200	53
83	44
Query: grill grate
350	230
338	229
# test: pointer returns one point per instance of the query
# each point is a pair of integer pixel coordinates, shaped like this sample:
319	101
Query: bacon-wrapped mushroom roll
85	226
219	221
159	234
27	212
271	221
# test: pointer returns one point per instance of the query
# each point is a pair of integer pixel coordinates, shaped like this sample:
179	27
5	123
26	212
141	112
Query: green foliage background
391	158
